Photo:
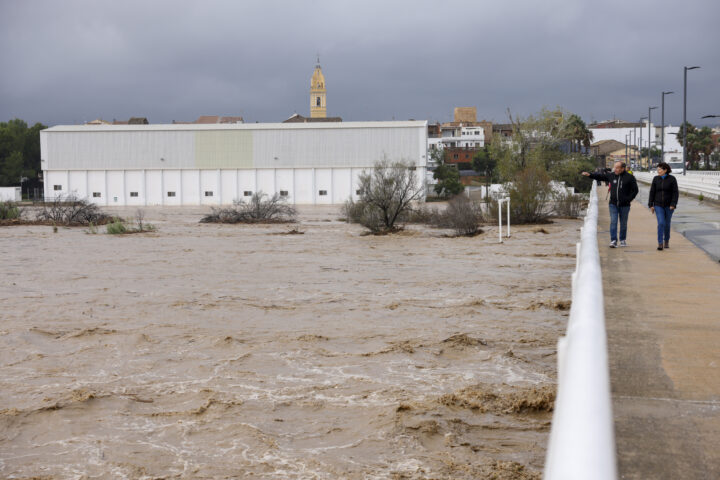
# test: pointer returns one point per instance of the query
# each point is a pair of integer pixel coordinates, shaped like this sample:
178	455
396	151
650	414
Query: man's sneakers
613	244
622	243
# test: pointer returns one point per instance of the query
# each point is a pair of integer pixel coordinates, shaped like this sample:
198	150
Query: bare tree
139	218
386	195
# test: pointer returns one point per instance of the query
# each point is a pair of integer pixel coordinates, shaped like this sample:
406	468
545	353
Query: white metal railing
582	439
701	173
695	183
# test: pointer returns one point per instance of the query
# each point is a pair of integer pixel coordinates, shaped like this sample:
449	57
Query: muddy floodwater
230	351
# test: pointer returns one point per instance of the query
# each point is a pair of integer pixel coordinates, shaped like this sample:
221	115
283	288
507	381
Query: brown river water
229	351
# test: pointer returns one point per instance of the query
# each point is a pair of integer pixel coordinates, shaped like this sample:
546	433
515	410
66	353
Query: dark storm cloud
72	61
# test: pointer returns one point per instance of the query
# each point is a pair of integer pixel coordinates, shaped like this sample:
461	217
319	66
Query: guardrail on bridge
582	437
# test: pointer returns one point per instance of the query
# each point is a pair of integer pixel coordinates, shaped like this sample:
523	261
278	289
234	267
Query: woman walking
663	201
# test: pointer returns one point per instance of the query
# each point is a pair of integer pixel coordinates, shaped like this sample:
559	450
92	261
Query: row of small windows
246	193
209	193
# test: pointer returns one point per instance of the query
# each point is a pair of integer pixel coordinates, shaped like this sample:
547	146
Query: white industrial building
195	164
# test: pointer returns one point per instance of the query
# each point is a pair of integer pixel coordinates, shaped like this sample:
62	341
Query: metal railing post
500	202
508	216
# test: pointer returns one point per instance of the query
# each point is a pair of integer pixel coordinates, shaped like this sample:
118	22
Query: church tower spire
318	105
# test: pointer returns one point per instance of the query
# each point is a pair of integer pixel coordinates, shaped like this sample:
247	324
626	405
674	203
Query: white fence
582	439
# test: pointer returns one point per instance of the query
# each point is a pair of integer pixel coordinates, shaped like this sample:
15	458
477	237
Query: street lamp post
662	128
650	109
640	144
685	70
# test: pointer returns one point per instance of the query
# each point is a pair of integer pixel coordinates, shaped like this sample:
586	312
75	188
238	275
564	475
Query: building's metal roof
238	126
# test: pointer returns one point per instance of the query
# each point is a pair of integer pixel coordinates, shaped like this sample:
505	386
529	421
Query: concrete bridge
663	326
639	366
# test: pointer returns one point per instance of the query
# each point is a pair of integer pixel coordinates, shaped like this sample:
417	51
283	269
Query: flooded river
227	351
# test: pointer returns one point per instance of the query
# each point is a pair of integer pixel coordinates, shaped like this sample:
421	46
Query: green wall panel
224	149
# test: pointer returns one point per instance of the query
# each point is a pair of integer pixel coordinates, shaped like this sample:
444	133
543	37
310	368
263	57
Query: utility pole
626	149
641	139
662	128
650	109
685	116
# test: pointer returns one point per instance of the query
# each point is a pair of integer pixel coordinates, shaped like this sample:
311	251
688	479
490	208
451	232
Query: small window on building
455	156
133	194
411	168
170	194
57	187
322	192
96	195
208	193
357	192
317	102
247	193
283	193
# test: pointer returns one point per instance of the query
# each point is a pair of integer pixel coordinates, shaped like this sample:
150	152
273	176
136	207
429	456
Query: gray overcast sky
73	61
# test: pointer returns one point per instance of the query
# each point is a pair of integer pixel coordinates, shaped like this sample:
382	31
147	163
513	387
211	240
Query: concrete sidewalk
663	322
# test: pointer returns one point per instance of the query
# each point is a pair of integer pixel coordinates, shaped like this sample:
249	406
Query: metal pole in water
508	215
500	220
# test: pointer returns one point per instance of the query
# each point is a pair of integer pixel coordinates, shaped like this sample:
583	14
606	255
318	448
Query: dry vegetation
260	209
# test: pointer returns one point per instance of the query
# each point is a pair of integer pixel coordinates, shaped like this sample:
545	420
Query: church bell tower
318	105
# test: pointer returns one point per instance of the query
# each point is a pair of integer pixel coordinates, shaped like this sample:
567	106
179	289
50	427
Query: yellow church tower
318	105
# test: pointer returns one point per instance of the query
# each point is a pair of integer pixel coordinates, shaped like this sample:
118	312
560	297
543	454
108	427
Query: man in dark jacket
623	189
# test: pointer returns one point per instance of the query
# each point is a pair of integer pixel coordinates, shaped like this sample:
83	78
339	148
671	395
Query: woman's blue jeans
664	215
622	214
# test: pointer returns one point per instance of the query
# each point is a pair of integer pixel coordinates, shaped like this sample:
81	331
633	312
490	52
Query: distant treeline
19	153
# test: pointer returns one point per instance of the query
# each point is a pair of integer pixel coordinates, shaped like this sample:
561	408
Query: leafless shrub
569	204
461	215
72	211
139	218
260	209
387	193
419	214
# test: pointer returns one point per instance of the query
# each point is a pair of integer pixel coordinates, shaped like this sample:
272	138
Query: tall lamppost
650	109
640	144
662	128
626	149
685	70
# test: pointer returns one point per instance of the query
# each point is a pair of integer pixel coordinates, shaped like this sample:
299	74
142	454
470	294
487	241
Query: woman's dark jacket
623	187
663	192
